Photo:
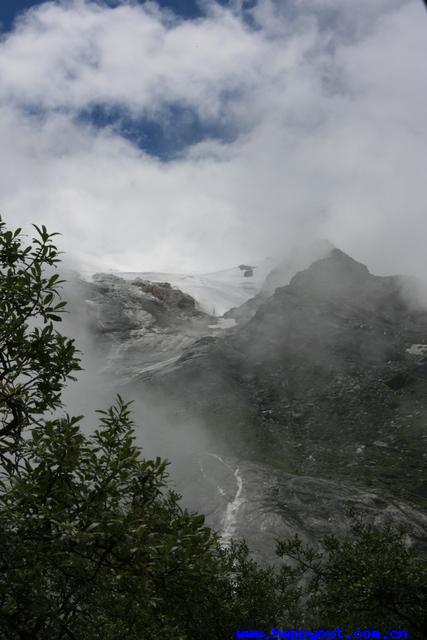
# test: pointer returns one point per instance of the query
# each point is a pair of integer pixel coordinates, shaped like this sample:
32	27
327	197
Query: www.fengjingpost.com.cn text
325	634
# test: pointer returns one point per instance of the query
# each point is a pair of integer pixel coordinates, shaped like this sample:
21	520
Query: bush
94	544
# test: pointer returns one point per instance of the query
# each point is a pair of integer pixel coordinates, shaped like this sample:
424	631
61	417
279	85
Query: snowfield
215	292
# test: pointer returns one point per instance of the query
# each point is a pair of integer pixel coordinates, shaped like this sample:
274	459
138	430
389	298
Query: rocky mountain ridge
142	324
322	387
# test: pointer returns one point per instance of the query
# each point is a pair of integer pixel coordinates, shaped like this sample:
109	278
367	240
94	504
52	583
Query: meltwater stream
229	524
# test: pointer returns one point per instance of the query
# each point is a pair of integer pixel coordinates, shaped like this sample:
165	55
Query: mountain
280	275
314	401
324	379
218	291
141	325
261	503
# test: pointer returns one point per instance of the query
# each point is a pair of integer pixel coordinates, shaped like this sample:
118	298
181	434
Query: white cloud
73	55
331	117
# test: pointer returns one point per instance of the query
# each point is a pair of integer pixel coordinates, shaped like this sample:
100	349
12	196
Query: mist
287	129
236	189
161	428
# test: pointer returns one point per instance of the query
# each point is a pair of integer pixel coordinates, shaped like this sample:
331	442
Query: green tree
369	578
93	543
35	359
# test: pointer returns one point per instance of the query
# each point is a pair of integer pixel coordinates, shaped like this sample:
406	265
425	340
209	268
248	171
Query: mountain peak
335	275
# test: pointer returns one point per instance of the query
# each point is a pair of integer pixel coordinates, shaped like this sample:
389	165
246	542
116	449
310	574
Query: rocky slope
279	276
324	380
261	503
316	400
140	325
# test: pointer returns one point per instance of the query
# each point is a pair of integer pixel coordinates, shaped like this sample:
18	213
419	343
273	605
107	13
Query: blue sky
165	138
153	141
9	9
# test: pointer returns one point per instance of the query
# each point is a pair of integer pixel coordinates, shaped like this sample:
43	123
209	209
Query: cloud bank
323	103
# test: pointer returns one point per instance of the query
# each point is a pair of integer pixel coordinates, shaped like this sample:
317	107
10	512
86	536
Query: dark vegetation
94	544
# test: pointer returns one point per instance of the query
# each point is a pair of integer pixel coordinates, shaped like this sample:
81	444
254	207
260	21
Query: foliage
35	359
94	544
369	578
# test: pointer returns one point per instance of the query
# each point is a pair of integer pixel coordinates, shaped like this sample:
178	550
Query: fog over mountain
220	180
307	400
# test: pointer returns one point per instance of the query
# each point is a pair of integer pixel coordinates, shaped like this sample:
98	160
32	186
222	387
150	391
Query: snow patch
417	349
215	292
224	323
159	365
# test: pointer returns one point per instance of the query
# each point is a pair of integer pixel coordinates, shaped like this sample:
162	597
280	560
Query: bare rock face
172	298
280	276
119	305
141	325
328	379
298	259
259	503
317	398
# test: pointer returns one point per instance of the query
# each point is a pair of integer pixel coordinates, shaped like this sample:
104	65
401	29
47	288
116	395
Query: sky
193	136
